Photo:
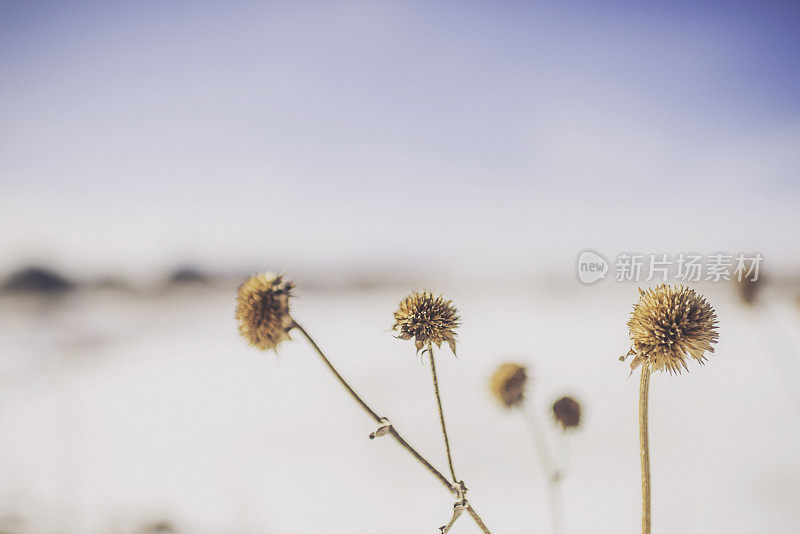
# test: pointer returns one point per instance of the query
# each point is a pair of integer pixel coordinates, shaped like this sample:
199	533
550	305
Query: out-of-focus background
152	155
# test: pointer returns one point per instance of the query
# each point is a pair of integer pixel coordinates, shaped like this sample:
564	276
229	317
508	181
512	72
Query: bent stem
548	467
441	413
454	489
644	446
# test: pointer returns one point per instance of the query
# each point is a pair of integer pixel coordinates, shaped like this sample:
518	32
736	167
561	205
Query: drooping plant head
508	384
262	309
567	413
426	319
669	324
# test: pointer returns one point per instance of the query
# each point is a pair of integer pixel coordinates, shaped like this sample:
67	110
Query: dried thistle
262	309
567	412
263	313
508	384
429	320
426	319
668	324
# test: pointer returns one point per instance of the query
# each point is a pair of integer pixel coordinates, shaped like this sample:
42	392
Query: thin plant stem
477	519
457	511
644	446
549	467
564	452
339	377
441	413
454	489
555	505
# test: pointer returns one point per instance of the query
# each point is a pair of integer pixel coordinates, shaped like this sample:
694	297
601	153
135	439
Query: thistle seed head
567	413
262	309
668	324
508	384
426	318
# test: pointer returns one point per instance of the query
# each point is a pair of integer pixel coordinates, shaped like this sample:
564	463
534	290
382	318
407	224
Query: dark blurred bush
187	274
36	280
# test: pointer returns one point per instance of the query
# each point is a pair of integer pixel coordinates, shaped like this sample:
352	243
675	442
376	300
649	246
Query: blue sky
467	135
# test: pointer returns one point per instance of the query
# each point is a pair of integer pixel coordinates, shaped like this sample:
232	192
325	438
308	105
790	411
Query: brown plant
262	309
669	324
507	384
567	413
426	319
264	321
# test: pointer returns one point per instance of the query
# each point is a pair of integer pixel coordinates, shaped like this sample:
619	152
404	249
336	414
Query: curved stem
339	377
441	413
540	444
644	446
548	467
392	431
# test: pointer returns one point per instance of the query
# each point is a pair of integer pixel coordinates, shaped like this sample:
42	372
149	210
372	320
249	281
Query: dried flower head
426	319
262	309
668	324
567	413
508	384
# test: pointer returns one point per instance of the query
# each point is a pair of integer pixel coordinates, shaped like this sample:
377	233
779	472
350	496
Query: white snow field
125	414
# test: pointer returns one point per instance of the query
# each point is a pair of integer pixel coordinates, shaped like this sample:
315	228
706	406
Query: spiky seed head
567	413
426	318
508	384
668	324
262	309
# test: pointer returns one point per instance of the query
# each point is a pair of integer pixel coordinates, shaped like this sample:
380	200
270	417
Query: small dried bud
262	309
426	319
508	384
385	428
567	412
668	324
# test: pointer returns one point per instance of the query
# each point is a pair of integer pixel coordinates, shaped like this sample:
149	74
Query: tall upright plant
668	325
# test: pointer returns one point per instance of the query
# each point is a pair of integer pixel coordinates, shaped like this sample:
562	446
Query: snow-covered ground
120	411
